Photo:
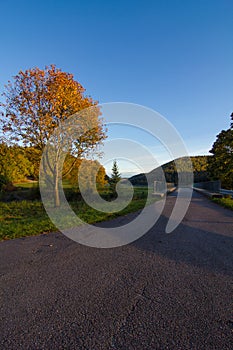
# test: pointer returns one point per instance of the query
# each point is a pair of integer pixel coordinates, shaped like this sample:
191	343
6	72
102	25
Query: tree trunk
56	190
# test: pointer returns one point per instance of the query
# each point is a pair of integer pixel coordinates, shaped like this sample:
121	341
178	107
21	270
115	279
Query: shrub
3	182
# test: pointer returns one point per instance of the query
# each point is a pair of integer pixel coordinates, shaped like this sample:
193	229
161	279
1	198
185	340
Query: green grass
27	217
26	185
225	202
66	184
23	218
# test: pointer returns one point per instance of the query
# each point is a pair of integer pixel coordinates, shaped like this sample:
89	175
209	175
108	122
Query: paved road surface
162	292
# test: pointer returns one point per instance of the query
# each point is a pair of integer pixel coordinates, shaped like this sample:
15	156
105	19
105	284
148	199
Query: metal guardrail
213	188
208	193
223	191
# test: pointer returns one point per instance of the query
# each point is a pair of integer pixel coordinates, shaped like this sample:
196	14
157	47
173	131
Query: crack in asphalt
138	297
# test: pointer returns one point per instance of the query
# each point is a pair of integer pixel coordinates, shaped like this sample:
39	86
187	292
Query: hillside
169	169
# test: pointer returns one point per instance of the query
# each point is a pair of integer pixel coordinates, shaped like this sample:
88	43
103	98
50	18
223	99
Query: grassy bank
225	202
28	217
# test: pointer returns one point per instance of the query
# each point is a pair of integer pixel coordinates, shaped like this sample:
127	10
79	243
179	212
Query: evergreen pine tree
115	176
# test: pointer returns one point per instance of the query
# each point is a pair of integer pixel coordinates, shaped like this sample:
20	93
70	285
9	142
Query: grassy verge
27	217
225	202
28	184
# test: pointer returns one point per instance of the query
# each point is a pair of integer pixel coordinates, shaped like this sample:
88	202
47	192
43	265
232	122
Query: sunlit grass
29	184
225	202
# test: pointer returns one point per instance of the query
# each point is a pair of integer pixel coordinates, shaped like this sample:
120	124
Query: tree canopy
39	100
221	163
87	176
14	164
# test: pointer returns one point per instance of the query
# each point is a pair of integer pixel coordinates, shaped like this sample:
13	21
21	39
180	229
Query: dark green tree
220	165
115	176
14	165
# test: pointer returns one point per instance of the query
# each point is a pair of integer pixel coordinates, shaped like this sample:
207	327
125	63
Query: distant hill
170	172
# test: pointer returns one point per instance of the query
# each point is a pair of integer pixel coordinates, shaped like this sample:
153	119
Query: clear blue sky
173	56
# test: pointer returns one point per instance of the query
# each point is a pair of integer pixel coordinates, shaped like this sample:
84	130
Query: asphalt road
164	291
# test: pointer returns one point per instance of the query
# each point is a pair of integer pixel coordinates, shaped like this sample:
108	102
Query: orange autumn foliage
39	100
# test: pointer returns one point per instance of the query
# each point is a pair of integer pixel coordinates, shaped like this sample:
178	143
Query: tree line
199	169
220	165
18	163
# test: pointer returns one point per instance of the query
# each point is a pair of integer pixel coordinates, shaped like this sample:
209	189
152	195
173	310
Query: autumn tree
92	173
220	165
36	103
101	177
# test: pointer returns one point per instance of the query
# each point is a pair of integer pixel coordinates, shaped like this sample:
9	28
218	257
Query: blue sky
175	57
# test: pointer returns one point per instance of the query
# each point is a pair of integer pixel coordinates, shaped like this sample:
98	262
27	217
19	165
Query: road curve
164	291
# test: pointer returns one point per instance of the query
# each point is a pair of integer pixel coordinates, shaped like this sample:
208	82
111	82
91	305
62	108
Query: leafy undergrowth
225	202
27	218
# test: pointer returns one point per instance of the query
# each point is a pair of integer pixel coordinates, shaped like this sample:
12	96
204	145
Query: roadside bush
3	181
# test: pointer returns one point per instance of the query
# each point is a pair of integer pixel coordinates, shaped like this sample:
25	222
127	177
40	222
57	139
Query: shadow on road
204	239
